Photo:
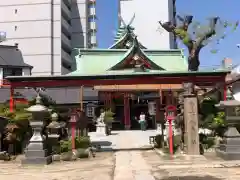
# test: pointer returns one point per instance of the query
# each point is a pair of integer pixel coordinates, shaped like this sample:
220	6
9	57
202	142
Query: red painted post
11	101
170	137
73	135
170	115
225	93
73	122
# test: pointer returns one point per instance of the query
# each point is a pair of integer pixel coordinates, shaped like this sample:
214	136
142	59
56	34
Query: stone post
36	151
191	138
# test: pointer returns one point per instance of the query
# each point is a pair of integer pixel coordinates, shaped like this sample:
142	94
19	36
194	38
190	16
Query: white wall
29	23
147	15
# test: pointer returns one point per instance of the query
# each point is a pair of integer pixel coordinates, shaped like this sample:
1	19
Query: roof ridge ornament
125	25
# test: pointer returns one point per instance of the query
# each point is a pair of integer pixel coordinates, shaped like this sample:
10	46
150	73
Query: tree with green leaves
18	128
195	36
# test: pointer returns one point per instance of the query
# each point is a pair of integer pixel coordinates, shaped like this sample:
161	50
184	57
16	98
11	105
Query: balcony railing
66	27
66	42
65	11
66	58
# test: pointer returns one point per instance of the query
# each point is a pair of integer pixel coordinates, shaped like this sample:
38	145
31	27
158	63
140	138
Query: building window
12	72
90	110
16	11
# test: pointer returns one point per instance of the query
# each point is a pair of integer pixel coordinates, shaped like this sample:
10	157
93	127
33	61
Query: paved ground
201	169
130	163
123	140
97	168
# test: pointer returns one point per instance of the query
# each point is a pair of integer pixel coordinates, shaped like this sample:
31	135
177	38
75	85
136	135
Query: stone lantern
54	133
229	148
36	151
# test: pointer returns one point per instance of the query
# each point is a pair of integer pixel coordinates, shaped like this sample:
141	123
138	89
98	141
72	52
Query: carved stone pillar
191	138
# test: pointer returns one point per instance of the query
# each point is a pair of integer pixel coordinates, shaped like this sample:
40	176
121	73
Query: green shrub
80	143
65	145
108	119
208	142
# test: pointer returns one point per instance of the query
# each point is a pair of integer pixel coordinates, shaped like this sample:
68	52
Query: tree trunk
193	59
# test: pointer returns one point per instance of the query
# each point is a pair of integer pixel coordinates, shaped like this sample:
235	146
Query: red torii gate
197	78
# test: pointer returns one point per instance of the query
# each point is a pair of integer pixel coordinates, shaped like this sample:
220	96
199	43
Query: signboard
152	108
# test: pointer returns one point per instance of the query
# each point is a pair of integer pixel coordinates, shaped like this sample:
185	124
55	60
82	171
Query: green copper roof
99	61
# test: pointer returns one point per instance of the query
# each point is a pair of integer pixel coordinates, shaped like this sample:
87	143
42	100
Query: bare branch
211	32
168	26
186	21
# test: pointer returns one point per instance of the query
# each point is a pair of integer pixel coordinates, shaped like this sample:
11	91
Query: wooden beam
127	81
81	98
138	87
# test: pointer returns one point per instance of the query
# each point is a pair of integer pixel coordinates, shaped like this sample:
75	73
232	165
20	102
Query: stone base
101	129
37	160
228	155
127	127
35	153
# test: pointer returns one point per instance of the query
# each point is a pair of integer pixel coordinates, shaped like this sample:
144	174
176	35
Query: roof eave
113	76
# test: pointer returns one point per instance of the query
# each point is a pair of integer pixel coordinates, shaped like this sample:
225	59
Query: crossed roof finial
124	23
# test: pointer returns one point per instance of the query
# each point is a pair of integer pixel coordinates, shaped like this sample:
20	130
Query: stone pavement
191	169
119	140
97	168
130	164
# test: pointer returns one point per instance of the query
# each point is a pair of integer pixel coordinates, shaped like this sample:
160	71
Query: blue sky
226	10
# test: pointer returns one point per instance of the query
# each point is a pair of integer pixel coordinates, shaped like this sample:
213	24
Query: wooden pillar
127	122
225	93
11	102
81	98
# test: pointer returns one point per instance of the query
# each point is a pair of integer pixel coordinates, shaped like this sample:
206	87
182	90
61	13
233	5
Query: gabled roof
11	56
98	61
124	38
135	56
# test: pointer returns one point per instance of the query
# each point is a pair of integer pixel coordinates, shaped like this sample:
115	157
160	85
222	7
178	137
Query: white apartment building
46	31
147	15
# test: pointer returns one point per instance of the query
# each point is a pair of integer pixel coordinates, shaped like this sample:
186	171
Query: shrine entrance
127	107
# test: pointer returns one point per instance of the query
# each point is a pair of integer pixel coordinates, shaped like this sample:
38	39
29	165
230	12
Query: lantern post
73	122
170	116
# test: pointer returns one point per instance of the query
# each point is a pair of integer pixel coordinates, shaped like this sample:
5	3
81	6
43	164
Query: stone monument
101	126
36	151
191	137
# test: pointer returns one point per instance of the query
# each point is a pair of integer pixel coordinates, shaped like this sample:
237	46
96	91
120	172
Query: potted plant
108	120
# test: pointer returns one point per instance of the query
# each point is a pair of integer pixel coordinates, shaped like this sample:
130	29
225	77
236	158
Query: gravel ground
100	167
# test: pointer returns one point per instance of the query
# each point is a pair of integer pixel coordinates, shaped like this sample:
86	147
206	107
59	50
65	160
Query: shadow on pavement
102	143
190	178
114	134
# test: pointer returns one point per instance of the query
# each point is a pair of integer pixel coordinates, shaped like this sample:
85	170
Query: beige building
47	30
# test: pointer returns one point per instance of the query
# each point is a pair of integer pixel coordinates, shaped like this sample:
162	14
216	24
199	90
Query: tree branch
180	31
211	32
186	21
